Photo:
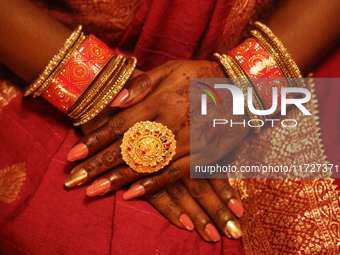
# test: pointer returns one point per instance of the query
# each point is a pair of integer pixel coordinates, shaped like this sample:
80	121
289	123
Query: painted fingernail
136	191
120	98
186	222
233	229
98	187
76	178
236	207
79	151
212	232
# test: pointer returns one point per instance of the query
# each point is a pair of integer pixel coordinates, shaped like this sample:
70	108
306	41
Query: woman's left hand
206	205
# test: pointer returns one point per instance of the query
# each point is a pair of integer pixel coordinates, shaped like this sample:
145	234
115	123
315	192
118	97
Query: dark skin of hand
306	32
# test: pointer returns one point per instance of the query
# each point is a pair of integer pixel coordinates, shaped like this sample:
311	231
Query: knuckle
95	163
195	217
117	125
178	192
140	83
155	182
122	176
225	190
199	188
94	140
221	212
171	62
171	207
156	195
99	138
143	82
199	217
173	173
168	67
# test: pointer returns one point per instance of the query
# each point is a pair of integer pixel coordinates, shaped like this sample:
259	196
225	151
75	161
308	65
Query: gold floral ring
148	146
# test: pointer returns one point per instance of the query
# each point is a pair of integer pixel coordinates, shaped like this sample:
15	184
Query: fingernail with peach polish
79	151
120	98
212	233
186	222
236	207
98	187
136	191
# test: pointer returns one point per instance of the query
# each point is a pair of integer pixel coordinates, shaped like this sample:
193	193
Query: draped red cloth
45	217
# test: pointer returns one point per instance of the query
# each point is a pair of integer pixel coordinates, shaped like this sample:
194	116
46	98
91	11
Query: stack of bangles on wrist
260	56
67	80
67	83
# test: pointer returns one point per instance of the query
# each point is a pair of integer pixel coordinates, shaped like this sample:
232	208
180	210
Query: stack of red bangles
261	56
67	81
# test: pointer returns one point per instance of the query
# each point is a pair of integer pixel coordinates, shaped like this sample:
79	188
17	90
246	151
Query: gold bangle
257	100
245	84
239	73
106	87
276	56
108	97
240	80
54	62
111	94
278	46
57	70
98	86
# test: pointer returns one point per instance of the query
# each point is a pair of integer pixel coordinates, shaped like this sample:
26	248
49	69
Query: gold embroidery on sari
288	216
7	90
11	181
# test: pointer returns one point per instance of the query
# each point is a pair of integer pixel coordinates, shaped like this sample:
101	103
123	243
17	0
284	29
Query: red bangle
258	63
78	73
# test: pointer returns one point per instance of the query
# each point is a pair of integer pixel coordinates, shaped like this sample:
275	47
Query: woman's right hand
201	204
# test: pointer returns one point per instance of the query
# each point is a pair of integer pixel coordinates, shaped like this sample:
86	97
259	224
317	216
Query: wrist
83	78
250	64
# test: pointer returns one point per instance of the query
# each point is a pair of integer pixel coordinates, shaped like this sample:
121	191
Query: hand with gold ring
148	147
160	95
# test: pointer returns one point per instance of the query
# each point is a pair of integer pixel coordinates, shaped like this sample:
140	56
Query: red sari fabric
47	218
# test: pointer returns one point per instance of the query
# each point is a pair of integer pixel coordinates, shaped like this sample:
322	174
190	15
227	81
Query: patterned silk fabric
287	216
8	90
282	216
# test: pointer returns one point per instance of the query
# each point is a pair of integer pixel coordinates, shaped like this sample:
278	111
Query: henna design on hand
110	157
212	71
184	91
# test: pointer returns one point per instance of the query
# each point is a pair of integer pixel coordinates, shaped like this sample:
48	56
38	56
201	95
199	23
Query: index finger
140	86
110	131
